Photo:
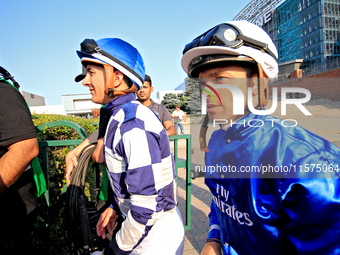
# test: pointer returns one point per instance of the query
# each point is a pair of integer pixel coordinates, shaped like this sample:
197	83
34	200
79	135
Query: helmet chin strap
110	88
263	93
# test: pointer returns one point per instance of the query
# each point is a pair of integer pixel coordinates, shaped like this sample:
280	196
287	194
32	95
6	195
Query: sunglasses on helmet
90	46
228	36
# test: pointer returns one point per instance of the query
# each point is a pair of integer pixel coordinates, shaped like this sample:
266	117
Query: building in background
181	86
80	105
37	104
263	14
301	29
33	99
178	90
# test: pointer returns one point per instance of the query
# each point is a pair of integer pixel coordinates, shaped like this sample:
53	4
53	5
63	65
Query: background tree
184	102
189	101
170	101
193	95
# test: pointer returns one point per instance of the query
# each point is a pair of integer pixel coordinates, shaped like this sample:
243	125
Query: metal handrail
51	143
184	164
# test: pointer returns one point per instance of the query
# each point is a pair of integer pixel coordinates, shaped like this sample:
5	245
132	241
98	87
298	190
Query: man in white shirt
178	116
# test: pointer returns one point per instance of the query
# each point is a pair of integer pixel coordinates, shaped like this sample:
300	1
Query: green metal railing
58	143
184	164
44	145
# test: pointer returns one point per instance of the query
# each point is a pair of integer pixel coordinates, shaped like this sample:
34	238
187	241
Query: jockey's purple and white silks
141	170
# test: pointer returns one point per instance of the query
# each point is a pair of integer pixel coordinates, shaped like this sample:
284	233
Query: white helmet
231	41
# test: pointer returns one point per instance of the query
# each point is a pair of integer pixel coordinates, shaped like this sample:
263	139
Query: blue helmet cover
122	51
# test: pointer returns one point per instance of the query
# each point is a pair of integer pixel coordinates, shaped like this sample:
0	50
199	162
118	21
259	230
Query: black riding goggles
90	46
4	74
228	36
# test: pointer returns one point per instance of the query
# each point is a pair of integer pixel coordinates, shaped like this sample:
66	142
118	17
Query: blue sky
39	38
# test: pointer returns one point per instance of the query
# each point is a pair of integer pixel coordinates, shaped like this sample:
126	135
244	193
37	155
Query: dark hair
249	68
126	79
148	79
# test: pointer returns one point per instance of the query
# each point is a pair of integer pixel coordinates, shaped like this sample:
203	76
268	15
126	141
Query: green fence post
176	158
47	195
188	185
184	164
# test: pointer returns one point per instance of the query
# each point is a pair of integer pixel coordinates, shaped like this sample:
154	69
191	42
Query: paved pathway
200	208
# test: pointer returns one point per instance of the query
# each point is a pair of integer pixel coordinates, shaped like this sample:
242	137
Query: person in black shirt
18	146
